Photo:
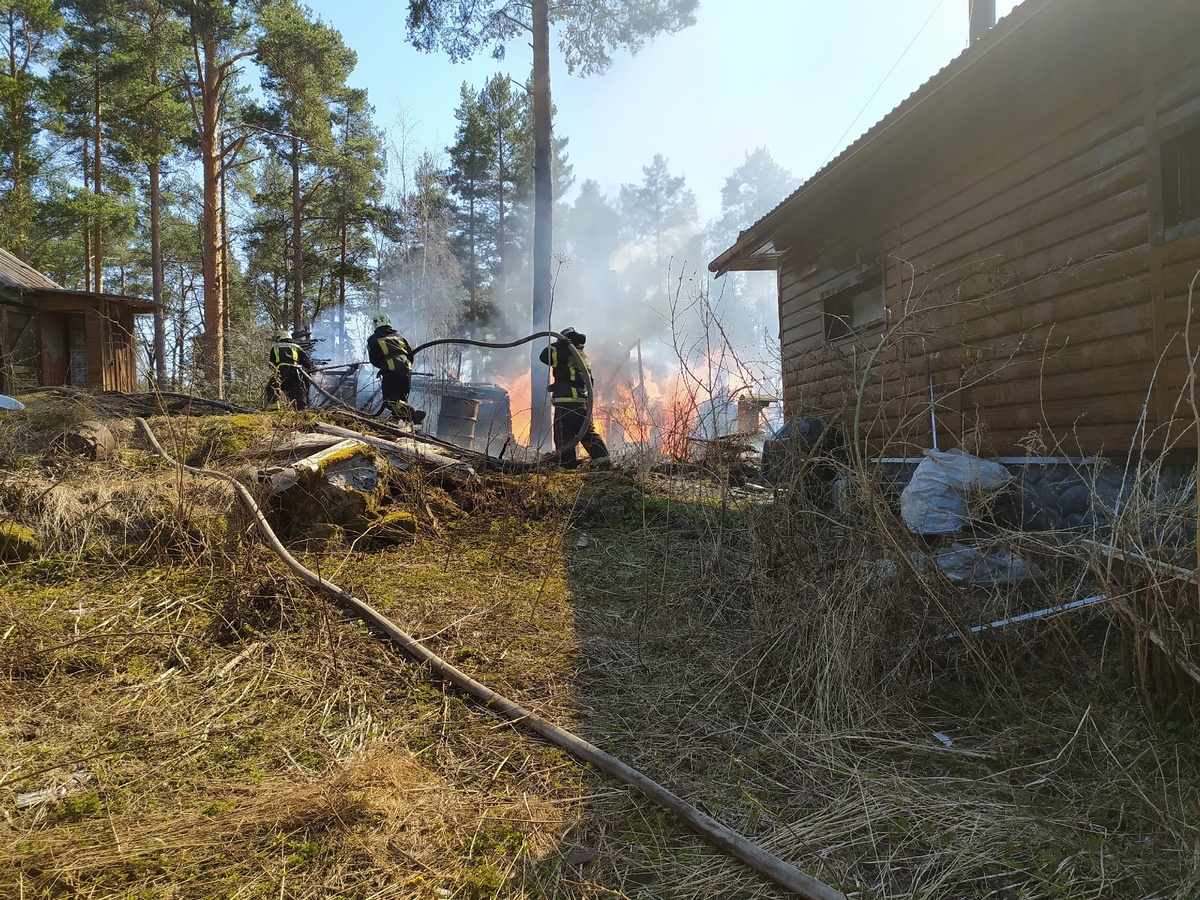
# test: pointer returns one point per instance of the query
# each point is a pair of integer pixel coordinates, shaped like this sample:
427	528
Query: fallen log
406	448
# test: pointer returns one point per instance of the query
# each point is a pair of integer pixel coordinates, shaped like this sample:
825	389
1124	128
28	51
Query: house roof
755	249
25	279
22	276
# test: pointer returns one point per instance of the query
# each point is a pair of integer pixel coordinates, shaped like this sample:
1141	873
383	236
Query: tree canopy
212	154
589	33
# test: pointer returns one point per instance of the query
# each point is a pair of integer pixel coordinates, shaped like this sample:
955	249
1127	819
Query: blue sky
801	77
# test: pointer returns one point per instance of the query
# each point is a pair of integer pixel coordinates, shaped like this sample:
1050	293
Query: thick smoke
670	347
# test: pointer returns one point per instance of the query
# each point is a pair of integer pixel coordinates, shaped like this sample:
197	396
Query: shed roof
755	248
22	276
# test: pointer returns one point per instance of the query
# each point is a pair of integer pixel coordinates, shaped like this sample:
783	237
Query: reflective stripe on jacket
285	355
569	384
389	351
394	350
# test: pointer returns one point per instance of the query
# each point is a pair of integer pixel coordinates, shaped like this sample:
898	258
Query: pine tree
509	128
750	192
151	124
591	237
30	31
355	187
94	69
589	32
470	167
305	65
490	172
420	277
219	39
661	241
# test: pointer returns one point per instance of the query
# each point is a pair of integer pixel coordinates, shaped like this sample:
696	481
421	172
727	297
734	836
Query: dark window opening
1181	178
854	308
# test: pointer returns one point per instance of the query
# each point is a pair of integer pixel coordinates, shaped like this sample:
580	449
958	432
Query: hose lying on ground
774	868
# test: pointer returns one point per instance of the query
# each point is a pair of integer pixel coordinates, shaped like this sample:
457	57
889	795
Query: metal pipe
1025	617
982	16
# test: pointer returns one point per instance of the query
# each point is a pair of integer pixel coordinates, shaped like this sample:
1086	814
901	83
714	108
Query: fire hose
717	834
503	465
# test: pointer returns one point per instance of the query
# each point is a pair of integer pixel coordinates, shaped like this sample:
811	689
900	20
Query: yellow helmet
380	319
283	334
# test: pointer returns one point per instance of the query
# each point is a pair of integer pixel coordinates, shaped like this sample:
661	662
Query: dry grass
218	731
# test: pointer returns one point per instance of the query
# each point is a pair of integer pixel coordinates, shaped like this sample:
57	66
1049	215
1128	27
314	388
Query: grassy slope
213	729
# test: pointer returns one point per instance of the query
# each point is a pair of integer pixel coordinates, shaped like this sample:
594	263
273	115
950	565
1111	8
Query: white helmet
283	335
380	319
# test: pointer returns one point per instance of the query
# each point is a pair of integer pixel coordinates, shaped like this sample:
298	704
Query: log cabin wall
124	348
54	335
1012	222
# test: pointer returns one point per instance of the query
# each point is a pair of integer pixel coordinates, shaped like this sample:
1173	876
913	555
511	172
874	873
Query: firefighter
569	396
288	382
390	354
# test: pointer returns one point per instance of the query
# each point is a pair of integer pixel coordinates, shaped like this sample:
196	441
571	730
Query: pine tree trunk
297	249
156	279
87	220
341	317
97	186
543	208
212	363
181	332
501	232
474	299
226	332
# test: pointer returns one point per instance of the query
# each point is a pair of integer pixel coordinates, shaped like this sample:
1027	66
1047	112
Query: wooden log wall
1014	219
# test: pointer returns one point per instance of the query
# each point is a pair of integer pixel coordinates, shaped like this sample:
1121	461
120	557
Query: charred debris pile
184	717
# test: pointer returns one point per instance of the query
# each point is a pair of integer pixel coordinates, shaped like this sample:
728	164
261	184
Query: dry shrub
112	510
30	432
253	608
426	498
841	612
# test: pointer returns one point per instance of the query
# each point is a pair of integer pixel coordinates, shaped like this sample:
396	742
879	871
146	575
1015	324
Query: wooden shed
1015	246
50	335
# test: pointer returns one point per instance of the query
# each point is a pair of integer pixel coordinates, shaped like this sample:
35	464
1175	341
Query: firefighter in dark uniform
390	354
288	383
569	396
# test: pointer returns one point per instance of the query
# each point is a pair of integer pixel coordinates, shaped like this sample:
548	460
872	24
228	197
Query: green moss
300	853
17	543
75	809
395	527
344	454
481	881
222	437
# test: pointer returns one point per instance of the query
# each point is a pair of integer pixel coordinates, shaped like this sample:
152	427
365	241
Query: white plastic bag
938	498
969	565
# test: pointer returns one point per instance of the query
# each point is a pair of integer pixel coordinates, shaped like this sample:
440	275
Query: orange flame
655	415
519	395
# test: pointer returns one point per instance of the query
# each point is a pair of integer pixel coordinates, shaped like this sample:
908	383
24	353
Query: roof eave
139	305
766	228
751	253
